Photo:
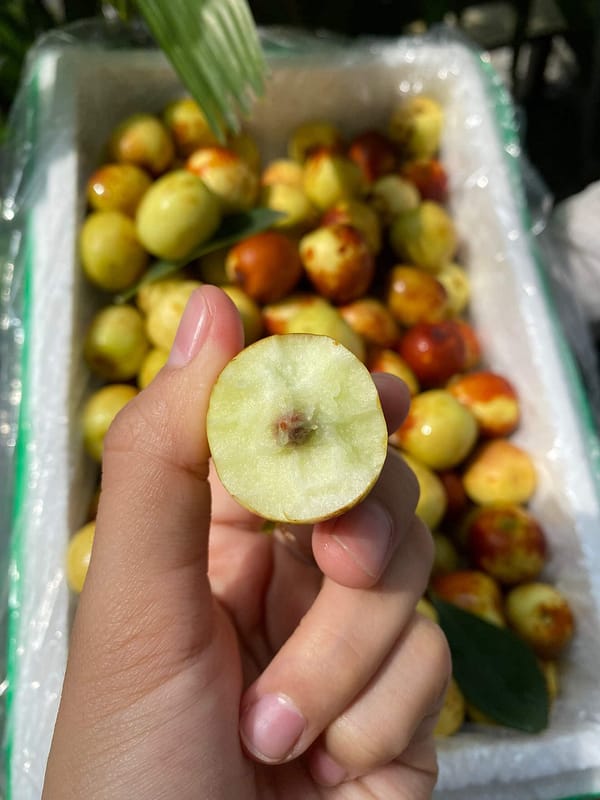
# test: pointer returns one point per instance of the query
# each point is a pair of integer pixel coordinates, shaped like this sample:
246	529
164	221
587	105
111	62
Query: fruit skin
148	294
99	411
317	441
321	318
266	266
456	497
143	140
282	171
117	187
329	178
249	312
292	201
429	176
358	215
151	365
387	360
492	399
438	430
473	591
452	715
177	214
391	196
373	153
247	149
311	136
79	552
112	256
424	236
338	262
541	615
115	344
276	316
456	282
427	609
164	314
500	472
507	542
188	126
435	351
372	320
414	295
416	126
471	342
227	176
446	558
432	498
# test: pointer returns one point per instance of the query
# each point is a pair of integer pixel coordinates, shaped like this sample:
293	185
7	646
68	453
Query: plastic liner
78	84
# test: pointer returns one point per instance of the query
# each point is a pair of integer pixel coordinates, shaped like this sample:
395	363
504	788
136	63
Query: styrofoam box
79	94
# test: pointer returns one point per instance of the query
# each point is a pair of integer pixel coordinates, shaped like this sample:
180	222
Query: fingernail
191	332
271	727
368	540
325	770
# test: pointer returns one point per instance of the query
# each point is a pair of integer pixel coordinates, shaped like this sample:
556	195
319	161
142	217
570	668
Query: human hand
271	677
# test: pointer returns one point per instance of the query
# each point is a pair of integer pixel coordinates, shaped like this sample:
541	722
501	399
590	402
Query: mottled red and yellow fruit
276	316
414	295
372	320
500	472
188	126
507	542
142	139
473	591
446	557
416	126
438	430
386	360
329	178
358	215
456	497
455	281
266	265
473	349
435	351
117	187
323	319
338	262
541	615
429	176
282	170
425	236
373	153
311	136
227	175
492	399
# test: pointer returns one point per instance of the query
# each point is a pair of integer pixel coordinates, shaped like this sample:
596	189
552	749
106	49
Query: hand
270	677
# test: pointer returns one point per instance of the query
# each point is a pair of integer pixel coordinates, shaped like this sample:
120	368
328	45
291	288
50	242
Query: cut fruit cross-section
296	429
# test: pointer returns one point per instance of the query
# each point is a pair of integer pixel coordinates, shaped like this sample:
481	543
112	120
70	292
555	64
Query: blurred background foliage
561	110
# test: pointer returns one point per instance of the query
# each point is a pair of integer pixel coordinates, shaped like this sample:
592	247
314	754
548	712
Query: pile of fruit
364	250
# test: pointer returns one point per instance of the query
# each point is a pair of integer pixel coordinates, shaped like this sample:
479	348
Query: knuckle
436	656
139	427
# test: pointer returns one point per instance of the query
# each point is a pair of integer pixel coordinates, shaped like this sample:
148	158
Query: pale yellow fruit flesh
316	388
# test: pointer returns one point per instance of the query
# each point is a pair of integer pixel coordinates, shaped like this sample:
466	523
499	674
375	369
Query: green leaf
233	228
496	671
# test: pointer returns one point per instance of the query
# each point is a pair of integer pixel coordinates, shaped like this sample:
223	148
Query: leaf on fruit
232	229
496	671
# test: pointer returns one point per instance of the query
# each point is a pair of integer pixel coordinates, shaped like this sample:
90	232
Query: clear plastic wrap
78	84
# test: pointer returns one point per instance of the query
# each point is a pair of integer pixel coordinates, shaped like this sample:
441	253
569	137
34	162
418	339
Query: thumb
149	557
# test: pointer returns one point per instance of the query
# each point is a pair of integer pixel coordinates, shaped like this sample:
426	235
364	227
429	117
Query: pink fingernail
325	770
271	727
192	330
370	542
